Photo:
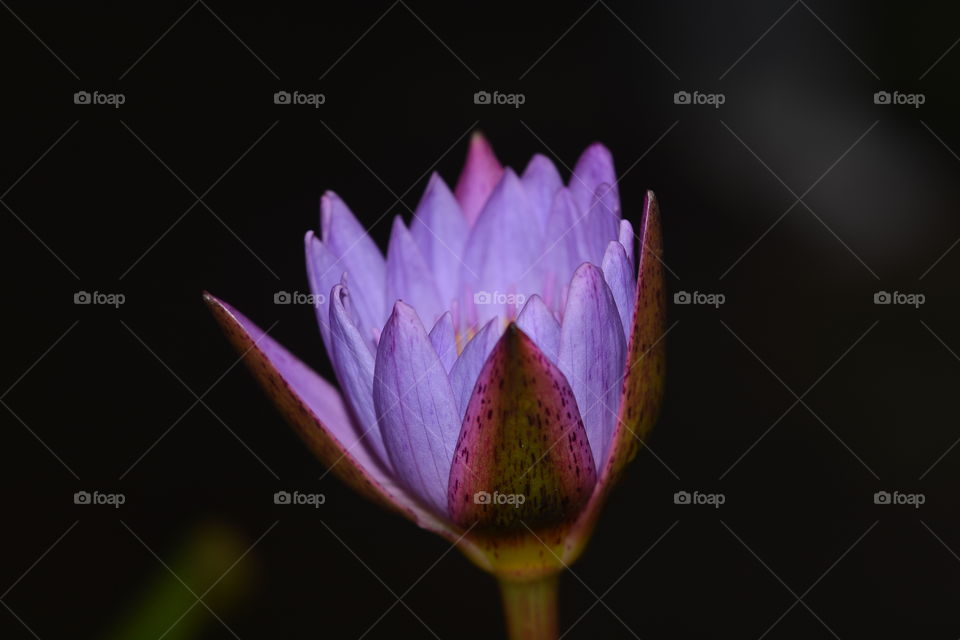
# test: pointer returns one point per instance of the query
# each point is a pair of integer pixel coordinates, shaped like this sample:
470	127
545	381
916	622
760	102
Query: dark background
104	210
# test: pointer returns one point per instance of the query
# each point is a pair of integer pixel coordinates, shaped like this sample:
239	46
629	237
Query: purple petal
537	321
500	257
626	239
561	253
319	416
440	231
541	181
353	363
322	272
465	370
618	272
444	341
408	276
480	175
521	435
357	255
593	355
600	225
418	416
593	168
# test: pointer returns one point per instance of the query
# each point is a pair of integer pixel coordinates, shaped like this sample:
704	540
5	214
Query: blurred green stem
531	608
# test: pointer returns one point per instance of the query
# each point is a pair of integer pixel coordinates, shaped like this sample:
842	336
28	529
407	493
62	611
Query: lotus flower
497	370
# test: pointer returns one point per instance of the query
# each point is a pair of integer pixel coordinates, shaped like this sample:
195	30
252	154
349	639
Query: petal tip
586	270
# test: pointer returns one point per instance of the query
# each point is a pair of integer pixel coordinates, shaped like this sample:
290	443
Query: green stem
531	608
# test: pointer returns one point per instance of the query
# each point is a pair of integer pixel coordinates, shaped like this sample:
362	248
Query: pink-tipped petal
479	176
592	355
537	321
593	168
444	341
541	181
353	363
440	231
408	276
463	375
320	417
618	272
521	436
418	416
357	255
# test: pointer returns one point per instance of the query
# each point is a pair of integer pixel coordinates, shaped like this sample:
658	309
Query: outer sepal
646	353
523	440
643	378
320	417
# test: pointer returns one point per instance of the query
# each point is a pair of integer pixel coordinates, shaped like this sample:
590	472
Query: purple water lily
497	369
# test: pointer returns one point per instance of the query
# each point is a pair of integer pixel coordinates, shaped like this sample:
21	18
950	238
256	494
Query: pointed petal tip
327	202
397	227
328	197
481	172
326	205
478	138
509	173
595	153
434	181
402	311
587	270
598	148
540	159
311	242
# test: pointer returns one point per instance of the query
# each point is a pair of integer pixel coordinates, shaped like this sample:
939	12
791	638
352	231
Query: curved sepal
320	417
646	352
643	378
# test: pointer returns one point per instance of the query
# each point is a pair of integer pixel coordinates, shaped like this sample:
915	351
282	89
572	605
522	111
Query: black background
108	208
